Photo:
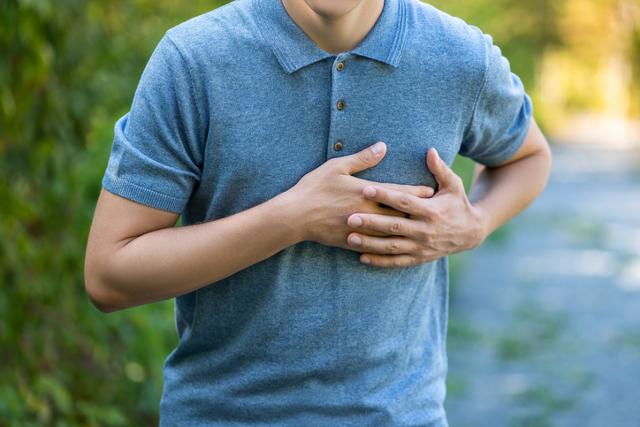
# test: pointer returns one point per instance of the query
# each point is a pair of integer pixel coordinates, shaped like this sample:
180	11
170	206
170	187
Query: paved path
544	323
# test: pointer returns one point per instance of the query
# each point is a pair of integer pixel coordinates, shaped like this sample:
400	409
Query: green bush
69	71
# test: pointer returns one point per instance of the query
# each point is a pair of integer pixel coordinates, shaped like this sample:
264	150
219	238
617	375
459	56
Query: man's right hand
328	195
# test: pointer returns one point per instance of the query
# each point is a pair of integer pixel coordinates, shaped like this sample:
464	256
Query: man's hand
326	196
443	224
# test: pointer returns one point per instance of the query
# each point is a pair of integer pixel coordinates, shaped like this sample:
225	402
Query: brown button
338	145
340	104
340	66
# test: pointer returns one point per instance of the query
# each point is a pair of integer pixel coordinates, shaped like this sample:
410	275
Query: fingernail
377	147
365	259
438	156
356	221
370	191
355	240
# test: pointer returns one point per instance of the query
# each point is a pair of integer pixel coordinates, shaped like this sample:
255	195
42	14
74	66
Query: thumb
443	174
364	159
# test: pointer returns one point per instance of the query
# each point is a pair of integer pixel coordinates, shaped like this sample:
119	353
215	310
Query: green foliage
559	47
522	29
69	70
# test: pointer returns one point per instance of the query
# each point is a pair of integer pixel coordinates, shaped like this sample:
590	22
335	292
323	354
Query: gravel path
544	325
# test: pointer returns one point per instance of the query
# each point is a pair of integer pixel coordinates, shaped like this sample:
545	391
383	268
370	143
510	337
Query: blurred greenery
560	47
69	70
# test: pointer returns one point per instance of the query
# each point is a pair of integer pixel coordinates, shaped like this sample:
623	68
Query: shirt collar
294	49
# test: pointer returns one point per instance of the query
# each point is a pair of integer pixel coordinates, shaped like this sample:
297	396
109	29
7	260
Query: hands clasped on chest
392	225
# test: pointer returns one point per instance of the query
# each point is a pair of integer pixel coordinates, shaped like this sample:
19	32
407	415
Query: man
258	123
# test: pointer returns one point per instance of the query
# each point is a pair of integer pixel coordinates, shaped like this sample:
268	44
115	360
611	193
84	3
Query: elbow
101	295
546	153
546	149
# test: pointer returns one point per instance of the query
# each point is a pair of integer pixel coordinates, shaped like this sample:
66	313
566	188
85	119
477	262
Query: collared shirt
233	108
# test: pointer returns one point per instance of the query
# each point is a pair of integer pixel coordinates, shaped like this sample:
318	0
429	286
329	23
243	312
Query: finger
393	225
381	245
363	159
382	210
386	210
389	261
416	190
396	199
444	175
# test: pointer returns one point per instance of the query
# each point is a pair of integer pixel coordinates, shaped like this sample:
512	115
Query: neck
335	29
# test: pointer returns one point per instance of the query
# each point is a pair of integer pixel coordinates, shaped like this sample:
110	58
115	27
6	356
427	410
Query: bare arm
135	255
166	261
500	193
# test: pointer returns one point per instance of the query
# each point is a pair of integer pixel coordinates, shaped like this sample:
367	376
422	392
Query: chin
332	8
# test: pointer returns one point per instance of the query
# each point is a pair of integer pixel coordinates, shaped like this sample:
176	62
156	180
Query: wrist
292	215
483	223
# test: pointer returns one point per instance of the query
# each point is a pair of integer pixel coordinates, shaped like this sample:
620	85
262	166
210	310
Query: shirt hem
140	194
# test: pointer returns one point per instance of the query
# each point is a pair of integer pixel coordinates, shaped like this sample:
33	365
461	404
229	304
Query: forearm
172	261
503	192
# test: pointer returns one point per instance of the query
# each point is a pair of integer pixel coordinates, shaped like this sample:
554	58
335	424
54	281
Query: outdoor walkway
544	323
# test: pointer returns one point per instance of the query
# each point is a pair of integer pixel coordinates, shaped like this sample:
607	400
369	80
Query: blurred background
544	327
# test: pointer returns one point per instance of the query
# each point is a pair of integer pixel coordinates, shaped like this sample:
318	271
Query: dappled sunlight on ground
630	276
544	319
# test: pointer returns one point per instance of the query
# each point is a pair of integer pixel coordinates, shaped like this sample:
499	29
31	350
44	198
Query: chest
267	131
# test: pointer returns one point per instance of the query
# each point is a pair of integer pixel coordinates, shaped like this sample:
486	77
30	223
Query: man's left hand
443	224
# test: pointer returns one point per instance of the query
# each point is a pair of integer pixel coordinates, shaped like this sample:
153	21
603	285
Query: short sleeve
156	156
502	112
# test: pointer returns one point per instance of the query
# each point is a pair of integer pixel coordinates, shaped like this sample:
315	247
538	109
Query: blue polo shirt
233	108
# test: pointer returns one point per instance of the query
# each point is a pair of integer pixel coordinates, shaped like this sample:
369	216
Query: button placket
337	141
340	105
